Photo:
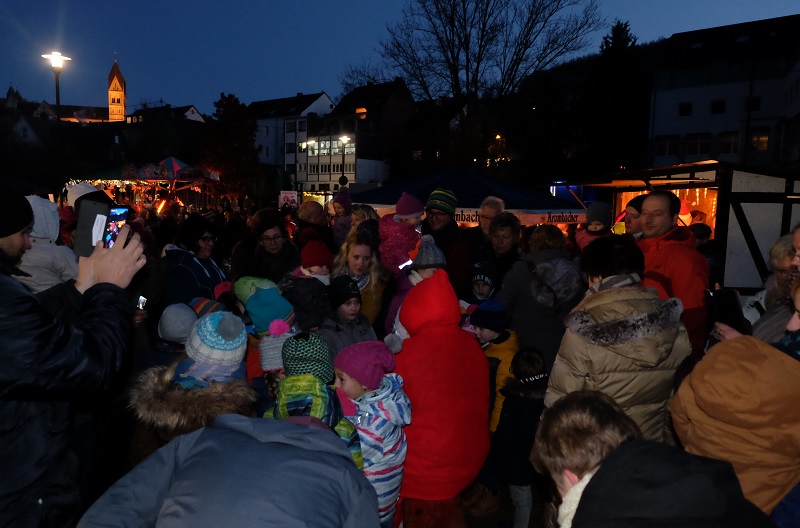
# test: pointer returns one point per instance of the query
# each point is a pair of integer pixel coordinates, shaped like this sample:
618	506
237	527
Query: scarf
324	279
615	281
191	374
571	500
361	280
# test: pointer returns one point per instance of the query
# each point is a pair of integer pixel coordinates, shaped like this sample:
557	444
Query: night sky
185	52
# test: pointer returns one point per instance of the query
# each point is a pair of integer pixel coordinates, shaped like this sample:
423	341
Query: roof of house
165	111
369	96
286	106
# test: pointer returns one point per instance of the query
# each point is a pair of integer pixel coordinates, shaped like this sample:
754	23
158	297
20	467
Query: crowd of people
295	367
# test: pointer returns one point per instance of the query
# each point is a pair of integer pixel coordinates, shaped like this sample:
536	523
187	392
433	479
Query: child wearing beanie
270	354
305	389
409	210
191	393
345	324
598	224
316	261
342	205
376	403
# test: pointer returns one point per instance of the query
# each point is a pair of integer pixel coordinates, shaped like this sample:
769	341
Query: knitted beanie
176	323
443	200
316	253
341	290
365	362
264	306
428	255
636	202
203	306
343	198
483	271
307	353
409	206
271	345
490	314
599	212
15	212
247	286
218	338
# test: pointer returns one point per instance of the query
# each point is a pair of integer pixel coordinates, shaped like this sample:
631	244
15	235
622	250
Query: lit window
325	148
759	139
416	155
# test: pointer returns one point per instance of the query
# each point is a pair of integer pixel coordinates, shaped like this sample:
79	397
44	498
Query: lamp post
344	140
57	62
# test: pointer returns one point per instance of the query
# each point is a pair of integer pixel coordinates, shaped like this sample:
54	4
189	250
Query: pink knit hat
408	206
365	362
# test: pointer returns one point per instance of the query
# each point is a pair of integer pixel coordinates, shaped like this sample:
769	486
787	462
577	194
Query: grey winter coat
340	334
243	472
626	343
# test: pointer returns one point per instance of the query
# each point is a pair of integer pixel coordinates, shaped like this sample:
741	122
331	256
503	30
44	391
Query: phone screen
116	219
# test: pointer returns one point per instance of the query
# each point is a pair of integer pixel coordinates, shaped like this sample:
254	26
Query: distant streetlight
57	62
344	140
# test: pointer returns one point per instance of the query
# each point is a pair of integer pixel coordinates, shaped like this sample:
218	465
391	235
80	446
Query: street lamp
344	140
57	62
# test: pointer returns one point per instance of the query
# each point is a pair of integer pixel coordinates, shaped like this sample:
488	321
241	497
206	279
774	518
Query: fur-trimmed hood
626	320
172	410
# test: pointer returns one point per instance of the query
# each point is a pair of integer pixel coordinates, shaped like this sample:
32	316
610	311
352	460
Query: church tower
116	94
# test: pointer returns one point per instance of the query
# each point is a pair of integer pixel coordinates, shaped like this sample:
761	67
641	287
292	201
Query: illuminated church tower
116	94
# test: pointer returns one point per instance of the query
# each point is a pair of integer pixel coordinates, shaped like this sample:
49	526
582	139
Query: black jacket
45	361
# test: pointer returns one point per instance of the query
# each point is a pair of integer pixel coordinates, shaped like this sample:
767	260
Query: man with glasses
440	223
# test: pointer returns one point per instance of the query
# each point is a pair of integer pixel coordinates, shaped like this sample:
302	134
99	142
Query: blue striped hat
443	200
218	338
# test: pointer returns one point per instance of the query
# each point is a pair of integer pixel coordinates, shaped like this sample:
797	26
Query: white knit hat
218	338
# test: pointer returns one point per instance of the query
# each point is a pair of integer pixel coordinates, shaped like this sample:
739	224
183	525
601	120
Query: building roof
116	72
163	111
370	96
286	106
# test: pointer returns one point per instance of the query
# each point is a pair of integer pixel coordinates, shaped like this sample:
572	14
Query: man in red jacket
672	264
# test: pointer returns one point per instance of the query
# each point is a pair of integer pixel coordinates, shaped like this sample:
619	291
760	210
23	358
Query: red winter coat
446	378
674	267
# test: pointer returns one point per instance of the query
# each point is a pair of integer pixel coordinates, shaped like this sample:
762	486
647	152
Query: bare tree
470	48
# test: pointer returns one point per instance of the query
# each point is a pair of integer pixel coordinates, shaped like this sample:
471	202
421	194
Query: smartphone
141	302
724	306
116	219
92	218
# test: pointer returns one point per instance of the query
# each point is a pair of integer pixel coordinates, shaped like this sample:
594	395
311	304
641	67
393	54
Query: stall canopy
470	188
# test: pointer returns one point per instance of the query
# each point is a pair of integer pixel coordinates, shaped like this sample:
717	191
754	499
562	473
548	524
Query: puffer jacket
446	377
626	343
739	404
165	410
674	267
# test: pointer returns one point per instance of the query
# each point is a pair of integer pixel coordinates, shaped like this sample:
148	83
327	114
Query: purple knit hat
343	198
408	206
365	362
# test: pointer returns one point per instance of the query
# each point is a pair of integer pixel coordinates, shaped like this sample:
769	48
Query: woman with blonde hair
362	212
358	259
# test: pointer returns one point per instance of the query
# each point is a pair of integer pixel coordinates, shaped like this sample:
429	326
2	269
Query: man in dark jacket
440	223
245	472
45	360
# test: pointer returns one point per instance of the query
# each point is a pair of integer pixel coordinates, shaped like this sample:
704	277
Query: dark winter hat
218	338
490	314
316	253
599	212
483	271
341	290
307	353
428	255
176	323
636	202
443	200
365	362
15	212
371	228
343	198
409	206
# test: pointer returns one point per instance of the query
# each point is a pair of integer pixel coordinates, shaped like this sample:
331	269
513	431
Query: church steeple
116	94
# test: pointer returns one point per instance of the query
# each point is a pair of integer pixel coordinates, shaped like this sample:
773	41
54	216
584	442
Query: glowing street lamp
345	140
57	62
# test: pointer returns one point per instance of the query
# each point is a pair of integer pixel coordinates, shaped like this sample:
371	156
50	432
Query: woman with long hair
358	259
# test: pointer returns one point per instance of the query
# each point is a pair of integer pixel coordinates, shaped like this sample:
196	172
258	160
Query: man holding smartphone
72	344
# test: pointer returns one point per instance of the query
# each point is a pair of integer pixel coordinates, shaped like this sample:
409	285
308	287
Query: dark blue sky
186	52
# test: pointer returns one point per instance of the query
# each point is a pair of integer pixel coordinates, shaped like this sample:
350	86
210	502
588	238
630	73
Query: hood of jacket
677	235
388	401
45	218
397	239
627	321
173	410
431	303
556	277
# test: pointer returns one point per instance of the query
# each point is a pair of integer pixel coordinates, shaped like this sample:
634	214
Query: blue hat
490	314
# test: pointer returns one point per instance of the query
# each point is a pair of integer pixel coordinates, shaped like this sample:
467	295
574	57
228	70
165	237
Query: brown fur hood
173	410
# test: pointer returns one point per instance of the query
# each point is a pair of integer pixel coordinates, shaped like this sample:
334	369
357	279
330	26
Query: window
759	139
325	147
752	104
325	168
350	148
313	148
698	144
684	109
718	106
301	125
302	146
667	146
337	147
729	143
301	167
291	126
337	167
416	155
313	169
266	131
290	147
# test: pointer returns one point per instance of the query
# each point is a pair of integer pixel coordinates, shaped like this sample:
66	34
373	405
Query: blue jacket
242	472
